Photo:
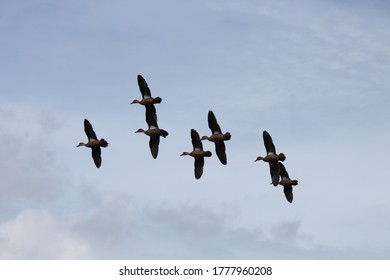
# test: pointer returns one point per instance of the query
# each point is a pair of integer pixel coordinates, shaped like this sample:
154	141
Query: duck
198	154
286	182
154	132
147	98
272	157
93	143
217	137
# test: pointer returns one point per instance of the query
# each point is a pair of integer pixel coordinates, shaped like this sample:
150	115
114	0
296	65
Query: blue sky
314	74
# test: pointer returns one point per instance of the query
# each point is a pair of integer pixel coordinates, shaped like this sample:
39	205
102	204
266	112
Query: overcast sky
314	74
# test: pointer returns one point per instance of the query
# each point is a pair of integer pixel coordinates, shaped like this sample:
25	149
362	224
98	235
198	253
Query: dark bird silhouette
93	143
217	137
154	132
286	182
198	154
272	157
147	98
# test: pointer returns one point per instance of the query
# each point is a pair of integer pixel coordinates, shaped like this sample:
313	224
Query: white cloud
114	229
38	234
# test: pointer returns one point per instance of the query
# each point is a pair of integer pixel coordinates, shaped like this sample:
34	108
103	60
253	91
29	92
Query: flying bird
93	143
154	132
147	98
217	137
272	157
286	182
198	154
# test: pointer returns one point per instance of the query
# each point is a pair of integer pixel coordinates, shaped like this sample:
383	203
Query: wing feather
196	143
151	116
220	150
274	170
198	167
89	130
143	87
288	192
153	145
213	124
96	152
268	143
283	171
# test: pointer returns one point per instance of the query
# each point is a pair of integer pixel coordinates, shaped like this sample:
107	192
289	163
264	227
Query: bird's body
197	153
94	143
217	137
146	101
91	144
154	132
272	157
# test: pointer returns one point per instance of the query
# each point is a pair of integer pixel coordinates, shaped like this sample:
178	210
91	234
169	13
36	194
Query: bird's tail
103	143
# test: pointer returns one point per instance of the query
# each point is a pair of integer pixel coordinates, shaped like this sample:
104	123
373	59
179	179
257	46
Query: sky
314	74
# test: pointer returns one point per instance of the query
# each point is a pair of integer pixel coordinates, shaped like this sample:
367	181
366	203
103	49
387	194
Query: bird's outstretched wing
283	171
143	87
213	124
198	167
153	145
196	143
274	170
89	130
288	193
268	143
151	116
96	152
220	151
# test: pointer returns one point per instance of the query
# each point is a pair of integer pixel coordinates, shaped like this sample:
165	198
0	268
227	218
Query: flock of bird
279	175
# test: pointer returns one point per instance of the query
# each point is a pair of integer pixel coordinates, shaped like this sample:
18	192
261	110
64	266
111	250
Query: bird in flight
198	154
93	143
217	137
272	157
